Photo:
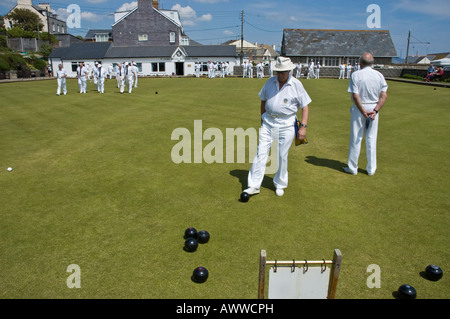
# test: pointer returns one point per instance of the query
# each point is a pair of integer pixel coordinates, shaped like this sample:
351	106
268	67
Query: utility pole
242	36
48	27
407	48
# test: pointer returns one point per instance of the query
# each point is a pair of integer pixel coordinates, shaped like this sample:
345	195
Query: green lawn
93	184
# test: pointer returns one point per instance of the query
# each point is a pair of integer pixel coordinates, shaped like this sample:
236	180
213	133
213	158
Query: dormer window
172	37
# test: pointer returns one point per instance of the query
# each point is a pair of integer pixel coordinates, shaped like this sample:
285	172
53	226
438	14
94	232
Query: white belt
275	116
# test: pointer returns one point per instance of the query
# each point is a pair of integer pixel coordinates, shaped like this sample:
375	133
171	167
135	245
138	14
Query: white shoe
348	171
279	192
252	191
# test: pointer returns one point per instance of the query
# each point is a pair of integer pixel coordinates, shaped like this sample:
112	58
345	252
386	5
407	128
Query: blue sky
217	21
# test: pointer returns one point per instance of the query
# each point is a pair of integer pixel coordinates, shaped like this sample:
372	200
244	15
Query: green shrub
4	65
412	77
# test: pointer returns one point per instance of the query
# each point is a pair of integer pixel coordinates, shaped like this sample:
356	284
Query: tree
25	19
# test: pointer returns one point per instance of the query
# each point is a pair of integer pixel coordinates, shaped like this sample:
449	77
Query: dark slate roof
211	50
82	51
101	50
304	42
91	33
140	52
167	51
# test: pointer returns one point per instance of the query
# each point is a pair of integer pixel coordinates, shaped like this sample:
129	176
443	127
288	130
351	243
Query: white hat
283	64
99	65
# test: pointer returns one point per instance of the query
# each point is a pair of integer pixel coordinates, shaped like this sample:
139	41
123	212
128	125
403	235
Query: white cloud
91	17
96	1
210	1
228	32
436	8
188	15
128	6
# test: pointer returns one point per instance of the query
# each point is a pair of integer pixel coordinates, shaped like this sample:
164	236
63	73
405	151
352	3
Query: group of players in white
215	69
247	70
126	74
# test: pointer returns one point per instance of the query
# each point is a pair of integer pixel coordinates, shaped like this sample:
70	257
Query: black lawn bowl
203	236
433	272
191	232
190	245
407	292
200	275
245	197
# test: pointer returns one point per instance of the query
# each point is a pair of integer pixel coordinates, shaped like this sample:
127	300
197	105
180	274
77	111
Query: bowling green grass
93	184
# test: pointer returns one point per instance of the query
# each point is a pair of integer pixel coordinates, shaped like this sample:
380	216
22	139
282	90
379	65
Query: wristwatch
304	125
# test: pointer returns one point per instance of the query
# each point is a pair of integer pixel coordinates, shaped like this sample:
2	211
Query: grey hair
366	59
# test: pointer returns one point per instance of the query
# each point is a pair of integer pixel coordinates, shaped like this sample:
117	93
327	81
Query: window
331	61
353	61
158	67
184	41
143	37
75	66
172	37
101	37
139	66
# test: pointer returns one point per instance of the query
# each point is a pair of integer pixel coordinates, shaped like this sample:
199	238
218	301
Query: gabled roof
92	32
313	42
164	14
82	51
168	51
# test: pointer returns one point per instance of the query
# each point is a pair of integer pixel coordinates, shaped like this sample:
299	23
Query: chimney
155	4
45	6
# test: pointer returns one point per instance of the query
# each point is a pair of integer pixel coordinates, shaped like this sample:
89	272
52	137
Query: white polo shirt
368	84
284	102
60	73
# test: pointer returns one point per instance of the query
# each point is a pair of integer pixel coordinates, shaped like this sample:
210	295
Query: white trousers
61	84
101	85
82	85
282	131
129	83
342	74
135	81
121	82
357	131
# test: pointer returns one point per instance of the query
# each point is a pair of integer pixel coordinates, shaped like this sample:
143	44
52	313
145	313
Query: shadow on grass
242	175
333	164
325	162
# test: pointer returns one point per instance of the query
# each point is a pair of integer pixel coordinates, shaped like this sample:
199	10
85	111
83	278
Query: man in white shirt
310	70
61	76
135	73
210	69
368	92
298	69
120	75
349	70
101	76
317	70
342	70
250	69
129	76
244	69
281	97
110	71
82	75
197	69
